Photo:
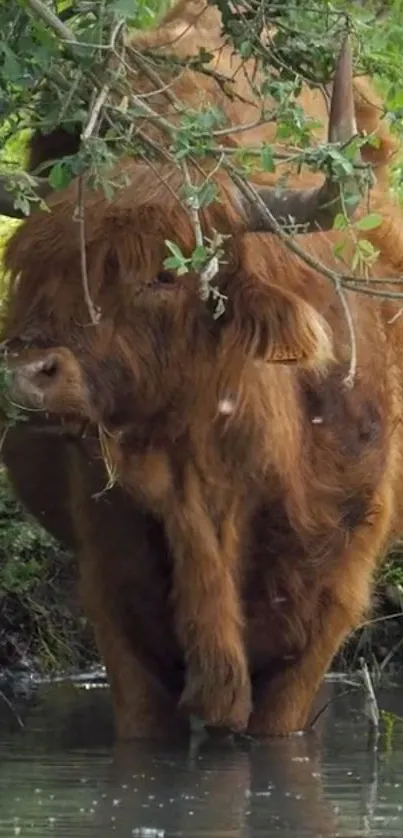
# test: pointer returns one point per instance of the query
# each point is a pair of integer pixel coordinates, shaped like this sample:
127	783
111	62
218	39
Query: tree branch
51	20
342	282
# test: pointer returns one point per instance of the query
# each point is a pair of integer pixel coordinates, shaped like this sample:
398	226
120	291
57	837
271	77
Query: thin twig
94	312
395	317
212	267
164	182
89	130
360	288
372	707
194	63
331	700
391	654
247	126
161	86
79	216
385	618
352	370
192	209
164	88
12	709
154	117
373	786
95	112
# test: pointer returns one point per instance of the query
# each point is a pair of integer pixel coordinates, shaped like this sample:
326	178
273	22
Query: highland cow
228	495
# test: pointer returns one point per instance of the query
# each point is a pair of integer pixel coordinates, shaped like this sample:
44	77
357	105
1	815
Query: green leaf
338	248
207	193
22	202
266	159
369	222
11	65
340	222
171	262
125	8
178	261
367	250
59	176
199	257
353	147
175	250
373	140
245	49
365	253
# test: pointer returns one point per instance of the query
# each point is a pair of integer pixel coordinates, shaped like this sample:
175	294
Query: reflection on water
62	775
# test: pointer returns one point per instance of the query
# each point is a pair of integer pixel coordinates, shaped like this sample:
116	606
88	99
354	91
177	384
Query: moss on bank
41	623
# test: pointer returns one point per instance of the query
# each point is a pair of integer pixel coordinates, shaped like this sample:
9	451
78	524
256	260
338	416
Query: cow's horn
317	208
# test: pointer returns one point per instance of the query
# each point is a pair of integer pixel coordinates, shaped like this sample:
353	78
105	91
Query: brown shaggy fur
232	554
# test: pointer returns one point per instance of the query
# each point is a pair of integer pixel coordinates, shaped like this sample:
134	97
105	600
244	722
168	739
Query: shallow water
61	774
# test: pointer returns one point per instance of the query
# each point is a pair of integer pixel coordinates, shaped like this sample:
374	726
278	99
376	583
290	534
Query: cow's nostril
34	384
50	367
42	368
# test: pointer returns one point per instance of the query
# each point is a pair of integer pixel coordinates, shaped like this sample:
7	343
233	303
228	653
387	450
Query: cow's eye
166	278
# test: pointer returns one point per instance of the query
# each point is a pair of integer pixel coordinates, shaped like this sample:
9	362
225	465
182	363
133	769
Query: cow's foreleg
207	608
282	702
143	708
122	596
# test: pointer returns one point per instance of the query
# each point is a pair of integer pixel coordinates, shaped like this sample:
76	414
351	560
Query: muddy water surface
61	774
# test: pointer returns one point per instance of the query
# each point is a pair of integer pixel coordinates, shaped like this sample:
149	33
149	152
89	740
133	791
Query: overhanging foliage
64	63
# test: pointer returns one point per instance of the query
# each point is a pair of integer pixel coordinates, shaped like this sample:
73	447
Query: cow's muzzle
28	383
48	380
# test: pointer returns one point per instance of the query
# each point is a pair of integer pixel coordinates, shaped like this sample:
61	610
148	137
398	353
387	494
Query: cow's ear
275	325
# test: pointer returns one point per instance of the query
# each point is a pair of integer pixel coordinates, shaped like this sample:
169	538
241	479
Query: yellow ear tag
281	356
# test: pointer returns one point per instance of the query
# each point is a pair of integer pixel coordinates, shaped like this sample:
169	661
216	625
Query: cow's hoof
220	697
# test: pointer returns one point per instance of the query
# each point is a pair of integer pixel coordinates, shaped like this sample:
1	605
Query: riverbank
42	627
